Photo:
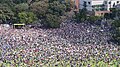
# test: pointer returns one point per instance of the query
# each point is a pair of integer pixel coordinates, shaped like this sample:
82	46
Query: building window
103	5
89	3
85	4
101	13
114	5
117	1
105	2
109	2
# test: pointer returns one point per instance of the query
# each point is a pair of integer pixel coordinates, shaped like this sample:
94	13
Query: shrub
26	17
52	21
69	4
81	15
116	35
21	7
116	23
6	13
57	8
39	8
19	1
93	18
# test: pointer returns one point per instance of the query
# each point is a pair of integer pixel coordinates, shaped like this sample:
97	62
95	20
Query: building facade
100	7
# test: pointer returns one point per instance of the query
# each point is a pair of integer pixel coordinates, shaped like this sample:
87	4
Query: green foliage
57	8
81	15
116	23
39	8
8	2
21	7
107	15
84	15
52	21
5	1
93	18
5	13
19	1
50	11
115	14
116	35
69	4
26	17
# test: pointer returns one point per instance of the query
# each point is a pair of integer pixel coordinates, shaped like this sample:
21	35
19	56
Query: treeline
115	17
49	12
84	15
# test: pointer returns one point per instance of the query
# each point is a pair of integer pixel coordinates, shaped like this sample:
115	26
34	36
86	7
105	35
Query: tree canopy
25	11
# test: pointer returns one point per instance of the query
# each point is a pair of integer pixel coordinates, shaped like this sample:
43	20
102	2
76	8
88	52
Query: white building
99	6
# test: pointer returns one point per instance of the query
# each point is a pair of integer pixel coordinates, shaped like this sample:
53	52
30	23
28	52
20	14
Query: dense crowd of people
84	33
79	41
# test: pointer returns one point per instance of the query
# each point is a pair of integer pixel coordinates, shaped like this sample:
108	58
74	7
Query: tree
81	15
116	35
69	4
19	1
52	21
39	8
116	23
49	12
21	7
6	13
26	17
57	8
115	13
107	15
93	18
6	1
